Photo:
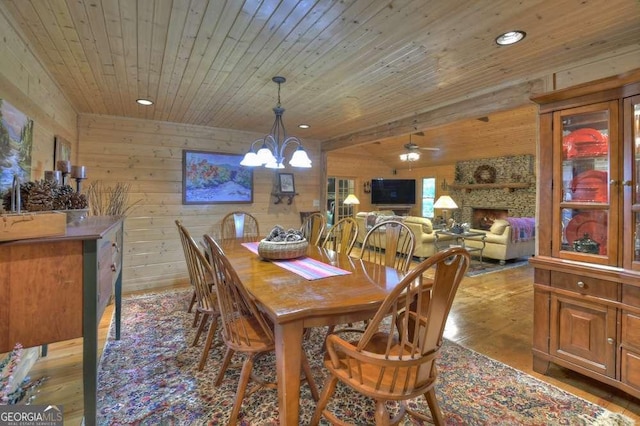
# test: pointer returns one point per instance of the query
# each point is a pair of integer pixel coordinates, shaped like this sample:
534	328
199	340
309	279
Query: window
428	196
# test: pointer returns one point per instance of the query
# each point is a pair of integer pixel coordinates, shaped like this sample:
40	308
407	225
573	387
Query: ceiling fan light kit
412	148
410	156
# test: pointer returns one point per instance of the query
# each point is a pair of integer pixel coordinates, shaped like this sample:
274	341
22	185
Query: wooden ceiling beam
478	106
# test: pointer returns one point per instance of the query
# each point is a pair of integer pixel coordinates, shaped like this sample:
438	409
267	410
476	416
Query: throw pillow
498	227
371	220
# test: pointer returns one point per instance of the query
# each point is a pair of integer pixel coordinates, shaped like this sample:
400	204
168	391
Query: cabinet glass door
586	220
631	183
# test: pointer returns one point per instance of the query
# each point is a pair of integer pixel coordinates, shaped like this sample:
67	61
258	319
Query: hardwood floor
492	314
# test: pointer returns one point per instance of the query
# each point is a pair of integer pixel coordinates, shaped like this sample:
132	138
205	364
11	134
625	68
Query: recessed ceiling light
145	102
303	126
510	37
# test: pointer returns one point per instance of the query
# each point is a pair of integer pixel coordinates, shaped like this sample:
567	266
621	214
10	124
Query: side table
460	241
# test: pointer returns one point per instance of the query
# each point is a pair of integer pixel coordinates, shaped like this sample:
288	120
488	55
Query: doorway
337	191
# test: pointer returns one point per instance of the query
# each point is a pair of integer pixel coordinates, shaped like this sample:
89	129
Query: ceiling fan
412	147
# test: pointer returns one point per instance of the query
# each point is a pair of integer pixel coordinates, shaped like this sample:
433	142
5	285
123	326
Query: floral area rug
149	377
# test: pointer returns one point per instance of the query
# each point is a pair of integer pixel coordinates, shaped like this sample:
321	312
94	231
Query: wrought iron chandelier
272	146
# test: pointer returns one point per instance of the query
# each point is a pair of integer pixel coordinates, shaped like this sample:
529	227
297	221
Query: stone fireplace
512	194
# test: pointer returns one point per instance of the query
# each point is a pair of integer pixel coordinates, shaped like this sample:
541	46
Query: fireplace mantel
508	187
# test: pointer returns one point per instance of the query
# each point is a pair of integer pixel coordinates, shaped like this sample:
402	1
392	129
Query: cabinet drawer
631	330
630	368
631	295
585	285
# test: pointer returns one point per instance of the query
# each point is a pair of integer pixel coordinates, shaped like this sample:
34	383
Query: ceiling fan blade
428	148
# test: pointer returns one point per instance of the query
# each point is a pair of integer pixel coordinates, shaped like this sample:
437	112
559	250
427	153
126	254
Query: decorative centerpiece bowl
281	250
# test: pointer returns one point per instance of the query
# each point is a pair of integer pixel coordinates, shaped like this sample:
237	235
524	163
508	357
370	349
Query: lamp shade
351	199
445	202
251	160
300	158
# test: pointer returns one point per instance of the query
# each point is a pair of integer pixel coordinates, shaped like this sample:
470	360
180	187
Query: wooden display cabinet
587	271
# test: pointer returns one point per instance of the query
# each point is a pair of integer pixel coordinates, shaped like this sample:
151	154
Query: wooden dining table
294	303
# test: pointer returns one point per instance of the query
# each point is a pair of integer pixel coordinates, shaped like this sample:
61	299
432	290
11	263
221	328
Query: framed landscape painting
215	178
16	141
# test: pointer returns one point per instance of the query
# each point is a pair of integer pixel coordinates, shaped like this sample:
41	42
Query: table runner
306	267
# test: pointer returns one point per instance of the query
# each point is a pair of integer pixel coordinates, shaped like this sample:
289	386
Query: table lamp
349	201
445	203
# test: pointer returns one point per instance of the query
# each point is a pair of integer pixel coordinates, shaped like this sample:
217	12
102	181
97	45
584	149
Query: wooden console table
56	288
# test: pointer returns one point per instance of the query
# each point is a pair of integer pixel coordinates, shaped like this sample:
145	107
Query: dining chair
193	295
202	280
239	224
313	227
341	237
390	243
389	365
245	329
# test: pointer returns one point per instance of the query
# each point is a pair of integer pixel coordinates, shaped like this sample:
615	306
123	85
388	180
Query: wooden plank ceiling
357	71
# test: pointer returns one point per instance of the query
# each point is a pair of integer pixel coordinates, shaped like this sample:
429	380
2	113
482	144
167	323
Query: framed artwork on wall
215	178
286	184
16	142
61	150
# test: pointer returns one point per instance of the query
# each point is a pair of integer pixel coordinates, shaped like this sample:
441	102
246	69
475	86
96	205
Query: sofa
420	226
509	238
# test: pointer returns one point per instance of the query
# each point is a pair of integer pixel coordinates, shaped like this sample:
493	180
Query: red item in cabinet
591	185
585	142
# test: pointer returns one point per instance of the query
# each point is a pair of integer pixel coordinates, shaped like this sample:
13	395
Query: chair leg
329	331
436	414
203	322
245	375
381	415
309	376
327	392
207	345
192	303
196	317
225	364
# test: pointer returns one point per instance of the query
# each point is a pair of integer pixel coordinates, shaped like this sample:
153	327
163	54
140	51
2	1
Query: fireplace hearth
483	218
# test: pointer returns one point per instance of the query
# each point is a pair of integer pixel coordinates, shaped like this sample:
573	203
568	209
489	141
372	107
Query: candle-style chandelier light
271	149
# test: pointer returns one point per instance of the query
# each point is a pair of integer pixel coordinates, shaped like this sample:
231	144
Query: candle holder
78	183
64	166
79	173
53	176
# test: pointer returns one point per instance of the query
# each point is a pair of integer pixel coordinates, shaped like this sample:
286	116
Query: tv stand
398	209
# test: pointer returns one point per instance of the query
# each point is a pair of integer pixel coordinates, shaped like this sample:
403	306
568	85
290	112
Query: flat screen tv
393	191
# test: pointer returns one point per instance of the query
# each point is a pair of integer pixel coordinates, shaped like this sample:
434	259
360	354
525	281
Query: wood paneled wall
361	168
148	155
364	167
25	84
